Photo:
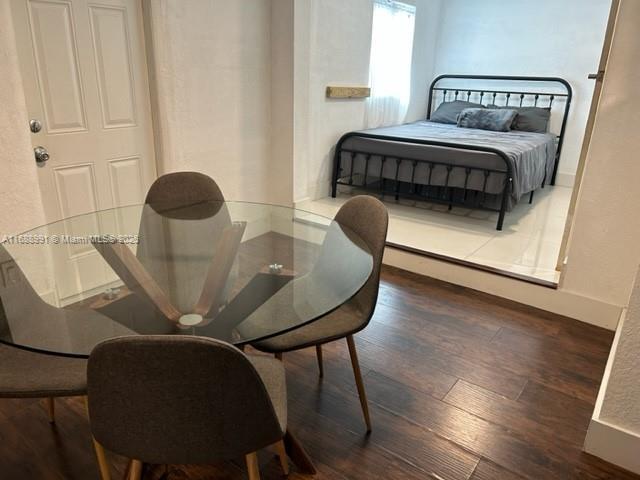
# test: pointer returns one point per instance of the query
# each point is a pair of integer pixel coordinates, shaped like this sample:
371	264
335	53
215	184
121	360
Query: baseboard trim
319	190
613	444
476	266
558	301
565	179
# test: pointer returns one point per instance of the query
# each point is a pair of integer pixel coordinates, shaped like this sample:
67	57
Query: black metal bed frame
445	194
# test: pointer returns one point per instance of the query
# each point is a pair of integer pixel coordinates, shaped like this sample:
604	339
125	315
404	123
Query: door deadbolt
35	125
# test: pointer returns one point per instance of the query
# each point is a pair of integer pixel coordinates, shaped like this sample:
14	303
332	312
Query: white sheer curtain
390	63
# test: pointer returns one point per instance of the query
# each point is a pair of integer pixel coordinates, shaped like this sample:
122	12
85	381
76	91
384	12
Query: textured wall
212	69
336	51
339	42
20	192
621	405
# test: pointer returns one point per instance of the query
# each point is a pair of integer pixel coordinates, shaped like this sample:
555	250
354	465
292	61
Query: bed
470	167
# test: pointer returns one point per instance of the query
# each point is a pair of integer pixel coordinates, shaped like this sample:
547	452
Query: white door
85	78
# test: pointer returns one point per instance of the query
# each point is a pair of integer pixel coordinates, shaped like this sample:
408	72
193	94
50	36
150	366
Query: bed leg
336	169
531	197
503	207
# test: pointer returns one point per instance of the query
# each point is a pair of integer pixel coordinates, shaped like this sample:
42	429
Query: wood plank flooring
461	386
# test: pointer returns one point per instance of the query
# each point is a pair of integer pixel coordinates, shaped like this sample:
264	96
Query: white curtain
390	63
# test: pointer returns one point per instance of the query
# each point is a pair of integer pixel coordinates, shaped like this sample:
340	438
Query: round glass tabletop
235	271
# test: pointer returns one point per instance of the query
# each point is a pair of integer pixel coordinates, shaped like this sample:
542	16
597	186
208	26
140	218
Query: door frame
593	112
146	8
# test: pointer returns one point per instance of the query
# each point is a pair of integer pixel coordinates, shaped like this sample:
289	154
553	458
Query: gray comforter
531	155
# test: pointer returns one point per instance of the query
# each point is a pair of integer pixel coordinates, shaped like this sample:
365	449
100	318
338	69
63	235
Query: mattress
531	157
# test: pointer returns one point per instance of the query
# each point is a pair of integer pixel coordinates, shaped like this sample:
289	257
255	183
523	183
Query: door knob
42	156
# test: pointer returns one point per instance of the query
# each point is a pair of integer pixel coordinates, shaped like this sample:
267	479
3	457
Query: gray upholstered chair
25	374
367	217
181	267
184	400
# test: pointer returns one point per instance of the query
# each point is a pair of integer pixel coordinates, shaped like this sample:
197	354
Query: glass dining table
235	271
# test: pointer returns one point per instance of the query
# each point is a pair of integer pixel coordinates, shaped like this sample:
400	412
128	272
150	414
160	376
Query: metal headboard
510	96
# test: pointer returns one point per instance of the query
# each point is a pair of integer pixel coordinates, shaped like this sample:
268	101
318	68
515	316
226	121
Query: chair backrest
179	230
177	400
183	188
368	218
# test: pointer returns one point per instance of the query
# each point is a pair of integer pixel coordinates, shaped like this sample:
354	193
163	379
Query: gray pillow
529	119
447	112
497	120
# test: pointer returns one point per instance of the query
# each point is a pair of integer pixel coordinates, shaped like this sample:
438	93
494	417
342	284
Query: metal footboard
421	188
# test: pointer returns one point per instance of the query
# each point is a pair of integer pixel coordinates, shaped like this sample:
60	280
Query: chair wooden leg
278	356
105	473
252	466
103	466
135	473
127	470
51	409
319	355
282	456
359	383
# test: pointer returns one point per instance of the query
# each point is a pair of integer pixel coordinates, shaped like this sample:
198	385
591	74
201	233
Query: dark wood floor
461	385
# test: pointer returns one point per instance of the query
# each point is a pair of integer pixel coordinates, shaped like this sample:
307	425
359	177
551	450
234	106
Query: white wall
615	438
604	251
335	51
612	246
529	37
621	405
425	38
338	54
212	72
614	430
20	193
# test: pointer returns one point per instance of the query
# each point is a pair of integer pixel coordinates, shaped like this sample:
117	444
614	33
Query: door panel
85	78
76	182
115	76
125	178
54	45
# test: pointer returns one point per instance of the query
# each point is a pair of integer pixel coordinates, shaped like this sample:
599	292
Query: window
390	62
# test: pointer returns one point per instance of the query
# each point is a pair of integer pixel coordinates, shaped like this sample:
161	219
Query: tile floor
528	245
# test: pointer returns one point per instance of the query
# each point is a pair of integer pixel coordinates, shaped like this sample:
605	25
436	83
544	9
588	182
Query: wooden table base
298	455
